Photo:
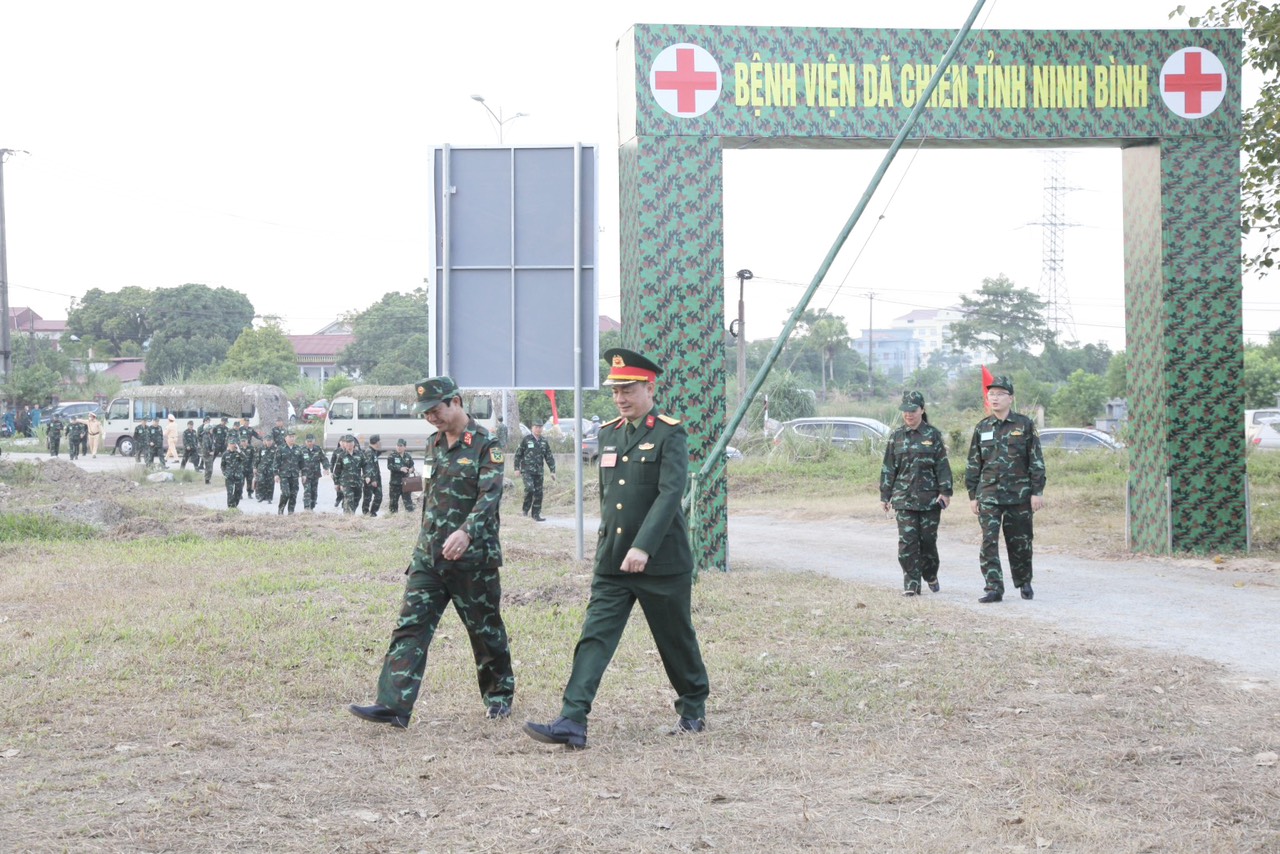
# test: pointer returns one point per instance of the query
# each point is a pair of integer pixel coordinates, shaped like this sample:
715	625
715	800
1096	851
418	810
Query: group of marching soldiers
253	463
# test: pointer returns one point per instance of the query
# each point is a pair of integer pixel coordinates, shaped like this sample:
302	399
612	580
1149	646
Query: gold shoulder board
667	419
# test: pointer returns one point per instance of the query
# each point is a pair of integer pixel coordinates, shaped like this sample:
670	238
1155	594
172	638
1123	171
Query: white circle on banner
1193	82
685	80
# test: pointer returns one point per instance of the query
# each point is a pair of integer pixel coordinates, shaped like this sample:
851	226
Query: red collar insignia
648	422
466	438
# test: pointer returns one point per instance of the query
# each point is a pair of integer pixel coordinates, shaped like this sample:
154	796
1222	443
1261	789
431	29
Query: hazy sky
282	149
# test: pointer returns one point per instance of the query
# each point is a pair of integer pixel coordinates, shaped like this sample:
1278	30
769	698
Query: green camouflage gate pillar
1169	98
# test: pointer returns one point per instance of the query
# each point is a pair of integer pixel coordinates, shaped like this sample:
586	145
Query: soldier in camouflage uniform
139	440
1005	478
313	461
399	466
76	431
456	560
233	472
278	433
372	497
531	454
288	468
155	444
190	447
53	435
207	445
221	433
348	473
264	474
915	481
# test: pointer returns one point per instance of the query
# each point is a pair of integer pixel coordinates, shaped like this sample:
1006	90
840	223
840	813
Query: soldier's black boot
991	596
380	715
689	725
560	731
1027	592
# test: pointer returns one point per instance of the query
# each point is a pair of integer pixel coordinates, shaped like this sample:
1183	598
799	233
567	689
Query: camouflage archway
1169	98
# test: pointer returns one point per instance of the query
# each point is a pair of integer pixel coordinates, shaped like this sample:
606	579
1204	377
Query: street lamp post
497	117
741	332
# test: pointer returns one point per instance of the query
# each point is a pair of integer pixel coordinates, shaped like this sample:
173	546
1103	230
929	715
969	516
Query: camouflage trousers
372	498
235	486
1015	519
918	546
475	594
396	489
310	486
532	505
351	495
288	493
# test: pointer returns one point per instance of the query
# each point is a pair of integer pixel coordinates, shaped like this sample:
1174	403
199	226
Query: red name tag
608	461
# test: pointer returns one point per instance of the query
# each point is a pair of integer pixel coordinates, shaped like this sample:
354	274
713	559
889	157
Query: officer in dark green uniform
642	554
456	560
1005	478
915	482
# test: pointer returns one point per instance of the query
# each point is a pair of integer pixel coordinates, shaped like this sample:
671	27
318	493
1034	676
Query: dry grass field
176	680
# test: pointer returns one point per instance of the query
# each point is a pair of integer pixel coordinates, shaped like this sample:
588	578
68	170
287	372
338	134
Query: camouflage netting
227	397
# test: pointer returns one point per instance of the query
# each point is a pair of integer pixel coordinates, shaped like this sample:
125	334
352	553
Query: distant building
932	328
318	354
24	321
896	353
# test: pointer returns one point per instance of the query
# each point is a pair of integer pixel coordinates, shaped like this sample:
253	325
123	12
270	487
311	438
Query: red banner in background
555	415
986	383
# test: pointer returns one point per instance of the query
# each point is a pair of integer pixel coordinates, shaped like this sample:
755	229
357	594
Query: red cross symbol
686	80
1193	83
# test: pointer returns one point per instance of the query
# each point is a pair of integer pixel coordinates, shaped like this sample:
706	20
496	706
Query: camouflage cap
911	401
1001	381
375	439
311	437
401	443
432	392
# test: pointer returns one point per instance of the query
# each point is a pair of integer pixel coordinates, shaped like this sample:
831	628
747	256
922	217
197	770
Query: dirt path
1183	606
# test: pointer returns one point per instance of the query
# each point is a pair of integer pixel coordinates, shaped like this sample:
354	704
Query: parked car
76	409
1075	439
843	432
317	411
1260	428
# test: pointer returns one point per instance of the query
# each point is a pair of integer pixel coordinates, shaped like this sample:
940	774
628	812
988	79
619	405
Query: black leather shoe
991	596
560	731
498	711
934	585
539	518
380	715
1027	592
689	725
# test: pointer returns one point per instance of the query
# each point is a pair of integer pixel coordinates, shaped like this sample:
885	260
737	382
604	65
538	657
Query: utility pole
741	333
6	346
871	342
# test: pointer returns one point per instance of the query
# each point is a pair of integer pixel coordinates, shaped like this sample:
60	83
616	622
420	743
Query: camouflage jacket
233	464
464	492
54	430
397	461
347	468
219	432
288	460
531	453
155	436
915	469
277	436
370	466
77	430
246	434
189	439
265	463
1006	465
313	460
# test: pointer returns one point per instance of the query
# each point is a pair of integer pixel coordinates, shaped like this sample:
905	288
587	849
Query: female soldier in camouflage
915	480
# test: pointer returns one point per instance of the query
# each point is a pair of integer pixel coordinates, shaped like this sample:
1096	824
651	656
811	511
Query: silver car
843	432
1076	439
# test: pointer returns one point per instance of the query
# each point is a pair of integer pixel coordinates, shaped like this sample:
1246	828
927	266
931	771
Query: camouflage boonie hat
433	392
911	401
1001	382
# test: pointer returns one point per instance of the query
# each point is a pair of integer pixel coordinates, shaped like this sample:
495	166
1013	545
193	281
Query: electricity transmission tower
1053	285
